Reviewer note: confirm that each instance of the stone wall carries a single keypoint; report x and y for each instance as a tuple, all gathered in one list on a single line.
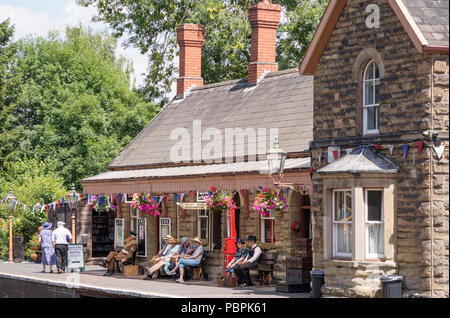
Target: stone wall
[(414, 86)]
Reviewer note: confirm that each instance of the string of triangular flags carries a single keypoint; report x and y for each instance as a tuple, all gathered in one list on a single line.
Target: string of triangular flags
[(14, 204)]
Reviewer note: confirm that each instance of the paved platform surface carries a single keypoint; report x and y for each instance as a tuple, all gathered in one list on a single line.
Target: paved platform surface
[(92, 279)]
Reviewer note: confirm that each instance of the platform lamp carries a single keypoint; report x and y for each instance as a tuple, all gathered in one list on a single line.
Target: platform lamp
[(276, 158), (72, 201), (11, 196)]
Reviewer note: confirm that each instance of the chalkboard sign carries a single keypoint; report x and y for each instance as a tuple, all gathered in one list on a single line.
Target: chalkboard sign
[(75, 257), (141, 237)]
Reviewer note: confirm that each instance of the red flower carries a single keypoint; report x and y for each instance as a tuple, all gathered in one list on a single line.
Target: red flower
[(213, 189)]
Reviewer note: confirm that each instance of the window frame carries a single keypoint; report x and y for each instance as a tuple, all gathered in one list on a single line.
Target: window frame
[(365, 107), (271, 218), (208, 227), (135, 218), (367, 222), (335, 254)]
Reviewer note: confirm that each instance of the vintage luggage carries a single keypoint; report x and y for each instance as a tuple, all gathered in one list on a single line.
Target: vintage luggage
[(298, 276), (131, 270), (299, 262), (284, 287), (230, 281)]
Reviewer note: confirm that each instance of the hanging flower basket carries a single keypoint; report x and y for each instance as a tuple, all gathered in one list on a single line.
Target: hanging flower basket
[(266, 202), (219, 201), (145, 204), (100, 204)]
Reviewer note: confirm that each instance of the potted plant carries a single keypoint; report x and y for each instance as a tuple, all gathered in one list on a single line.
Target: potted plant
[(267, 201)]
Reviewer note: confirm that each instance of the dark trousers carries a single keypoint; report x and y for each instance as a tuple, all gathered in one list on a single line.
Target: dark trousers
[(61, 256), (242, 272)]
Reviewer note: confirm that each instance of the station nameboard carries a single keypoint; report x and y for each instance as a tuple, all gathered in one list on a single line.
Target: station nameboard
[(192, 205)]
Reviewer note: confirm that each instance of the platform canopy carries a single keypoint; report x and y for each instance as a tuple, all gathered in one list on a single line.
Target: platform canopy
[(226, 176)]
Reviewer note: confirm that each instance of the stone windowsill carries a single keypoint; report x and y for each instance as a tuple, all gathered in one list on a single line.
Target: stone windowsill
[(356, 264)]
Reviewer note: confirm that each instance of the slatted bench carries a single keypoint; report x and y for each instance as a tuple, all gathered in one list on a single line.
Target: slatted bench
[(264, 272)]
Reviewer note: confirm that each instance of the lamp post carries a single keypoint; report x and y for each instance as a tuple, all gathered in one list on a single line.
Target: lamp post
[(10, 196), (276, 158), (72, 200)]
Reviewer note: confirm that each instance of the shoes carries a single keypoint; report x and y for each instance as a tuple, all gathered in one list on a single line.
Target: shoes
[(147, 277), (103, 264), (119, 271), (179, 280), (155, 275), (108, 273), (243, 285), (171, 273)]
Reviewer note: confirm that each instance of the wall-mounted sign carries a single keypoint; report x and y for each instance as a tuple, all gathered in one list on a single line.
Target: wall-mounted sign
[(118, 232), (201, 196), (165, 228), (75, 257), (192, 205), (142, 237)]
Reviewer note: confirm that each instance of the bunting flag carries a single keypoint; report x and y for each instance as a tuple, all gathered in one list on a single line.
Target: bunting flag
[(420, 147), (405, 150), (439, 150), (175, 197), (160, 199), (377, 147), (335, 154), (63, 201), (391, 149), (287, 192), (311, 170)]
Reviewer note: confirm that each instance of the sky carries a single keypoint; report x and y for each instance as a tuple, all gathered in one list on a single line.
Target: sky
[(38, 17)]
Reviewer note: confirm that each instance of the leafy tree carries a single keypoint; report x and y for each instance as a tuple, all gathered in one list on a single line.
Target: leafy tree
[(70, 100), (150, 26)]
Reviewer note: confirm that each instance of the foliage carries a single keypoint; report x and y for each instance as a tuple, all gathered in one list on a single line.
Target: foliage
[(267, 201), (145, 204), (69, 99), (32, 246), (150, 26), (219, 201)]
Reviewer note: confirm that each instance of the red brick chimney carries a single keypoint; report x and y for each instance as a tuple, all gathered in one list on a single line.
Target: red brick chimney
[(264, 18), (190, 38)]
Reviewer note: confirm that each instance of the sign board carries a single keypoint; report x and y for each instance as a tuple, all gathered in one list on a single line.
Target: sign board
[(75, 257), (141, 237), (118, 232), (192, 205), (164, 229), (201, 196)]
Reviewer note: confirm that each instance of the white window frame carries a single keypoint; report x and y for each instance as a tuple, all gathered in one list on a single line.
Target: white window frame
[(145, 235), (333, 224), (375, 82), (367, 223), (164, 222), (204, 214), (134, 216), (263, 228)]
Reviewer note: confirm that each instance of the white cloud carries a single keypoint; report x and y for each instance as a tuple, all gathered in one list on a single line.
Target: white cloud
[(30, 22)]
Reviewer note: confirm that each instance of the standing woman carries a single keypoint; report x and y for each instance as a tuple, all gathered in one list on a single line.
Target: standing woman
[(48, 251)]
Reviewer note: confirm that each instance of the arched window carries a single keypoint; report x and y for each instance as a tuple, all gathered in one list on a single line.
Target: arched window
[(371, 98)]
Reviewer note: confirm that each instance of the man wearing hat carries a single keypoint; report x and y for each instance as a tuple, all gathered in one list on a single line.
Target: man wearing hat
[(239, 257), (61, 238), (113, 258), (243, 270)]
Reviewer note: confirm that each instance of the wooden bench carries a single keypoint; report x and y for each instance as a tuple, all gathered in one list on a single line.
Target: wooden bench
[(198, 272), (264, 272)]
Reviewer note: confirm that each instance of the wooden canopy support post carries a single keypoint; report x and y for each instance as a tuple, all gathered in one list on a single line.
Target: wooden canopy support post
[(10, 237), (73, 228)]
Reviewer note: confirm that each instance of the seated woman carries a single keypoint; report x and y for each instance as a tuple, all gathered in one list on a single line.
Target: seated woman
[(189, 260), (239, 257), (186, 248), (164, 260)]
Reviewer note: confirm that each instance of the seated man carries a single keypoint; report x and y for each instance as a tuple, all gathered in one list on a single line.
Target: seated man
[(185, 249), (242, 270), (113, 258), (163, 252), (239, 257)]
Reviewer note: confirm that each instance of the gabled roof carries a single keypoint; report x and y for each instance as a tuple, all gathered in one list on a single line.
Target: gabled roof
[(425, 21), (365, 161), (282, 100)]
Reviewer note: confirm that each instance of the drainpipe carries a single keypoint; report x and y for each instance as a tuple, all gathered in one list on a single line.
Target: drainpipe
[(431, 176)]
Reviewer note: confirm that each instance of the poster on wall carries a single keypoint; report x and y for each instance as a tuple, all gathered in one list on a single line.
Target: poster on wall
[(141, 237), (164, 229), (118, 232), (75, 257)]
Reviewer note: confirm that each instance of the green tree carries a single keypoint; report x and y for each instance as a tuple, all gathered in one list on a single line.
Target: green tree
[(70, 100), (150, 26)]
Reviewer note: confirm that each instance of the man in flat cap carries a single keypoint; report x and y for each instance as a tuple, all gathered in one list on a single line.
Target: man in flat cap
[(113, 258), (61, 238), (242, 271)]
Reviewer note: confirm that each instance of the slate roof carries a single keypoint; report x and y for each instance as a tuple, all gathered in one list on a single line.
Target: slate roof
[(431, 16), (365, 161), (282, 100), (183, 171)]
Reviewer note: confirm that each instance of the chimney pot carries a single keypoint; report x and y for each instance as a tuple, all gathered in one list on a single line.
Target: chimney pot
[(190, 38), (264, 18)]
